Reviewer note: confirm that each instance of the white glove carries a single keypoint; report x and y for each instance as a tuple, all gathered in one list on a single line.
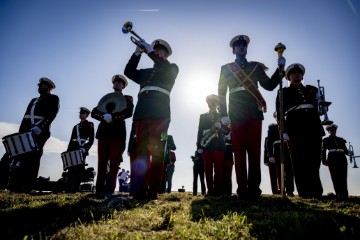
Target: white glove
[(83, 150), (147, 46), (272, 159), (200, 150), (138, 51), (218, 125), (225, 120), (107, 117), (286, 137), (281, 61), (36, 130)]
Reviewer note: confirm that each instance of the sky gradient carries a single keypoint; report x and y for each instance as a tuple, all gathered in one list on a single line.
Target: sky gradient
[(79, 45)]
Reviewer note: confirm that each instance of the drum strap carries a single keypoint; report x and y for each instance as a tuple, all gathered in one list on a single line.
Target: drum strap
[(32, 117), (79, 140)]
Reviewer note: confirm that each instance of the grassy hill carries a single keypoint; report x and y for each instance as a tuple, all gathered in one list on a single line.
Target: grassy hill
[(176, 216)]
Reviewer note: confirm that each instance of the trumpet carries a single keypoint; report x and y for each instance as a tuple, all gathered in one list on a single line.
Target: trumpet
[(127, 28), (352, 155), (323, 106)]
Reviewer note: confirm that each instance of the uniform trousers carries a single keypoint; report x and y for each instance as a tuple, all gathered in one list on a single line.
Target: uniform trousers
[(198, 171), (305, 155), (338, 172), (214, 171), (228, 168), (288, 172), (246, 139), (147, 169), (109, 158), (275, 184), (169, 174)]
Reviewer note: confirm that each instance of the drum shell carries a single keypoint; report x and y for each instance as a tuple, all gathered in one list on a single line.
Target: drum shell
[(72, 158), (18, 144)]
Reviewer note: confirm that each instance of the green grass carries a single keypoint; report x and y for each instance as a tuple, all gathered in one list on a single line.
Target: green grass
[(176, 216)]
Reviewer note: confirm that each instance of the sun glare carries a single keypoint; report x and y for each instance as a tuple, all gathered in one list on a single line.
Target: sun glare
[(200, 85)]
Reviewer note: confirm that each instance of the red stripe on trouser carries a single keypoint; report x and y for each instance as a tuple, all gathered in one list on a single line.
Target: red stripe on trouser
[(213, 167), (148, 173), (246, 139), (108, 149)]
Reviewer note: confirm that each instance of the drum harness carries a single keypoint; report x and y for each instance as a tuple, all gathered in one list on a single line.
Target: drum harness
[(32, 116), (81, 141)]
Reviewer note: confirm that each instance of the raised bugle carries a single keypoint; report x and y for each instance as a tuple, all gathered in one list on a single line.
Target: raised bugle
[(127, 28), (352, 155), (323, 105)]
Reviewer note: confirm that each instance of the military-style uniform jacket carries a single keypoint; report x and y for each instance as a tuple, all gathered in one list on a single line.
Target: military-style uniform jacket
[(336, 150), (243, 105), (116, 129), (272, 137), (82, 136), (206, 122), (40, 112), (152, 104), (300, 110)]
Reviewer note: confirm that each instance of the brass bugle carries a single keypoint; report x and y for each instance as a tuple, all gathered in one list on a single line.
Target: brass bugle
[(127, 28)]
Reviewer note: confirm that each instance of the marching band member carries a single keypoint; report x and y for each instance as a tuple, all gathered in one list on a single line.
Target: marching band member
[(274, 181), (151, 116), (210, 139), (303, 131), (274, 157), (198, 171), (111, 135), (336, 160), (82, 138), (246, 107), (38, 117)]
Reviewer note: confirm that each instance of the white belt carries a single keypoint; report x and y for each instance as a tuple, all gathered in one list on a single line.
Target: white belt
[(35, 117), (153, 88), (237, 89), (300, 106), (276, 142), (336, 150)]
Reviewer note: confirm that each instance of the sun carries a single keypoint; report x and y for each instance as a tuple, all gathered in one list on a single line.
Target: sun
[(199, 84)]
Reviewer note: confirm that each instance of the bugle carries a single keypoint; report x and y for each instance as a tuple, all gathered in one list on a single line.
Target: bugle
[(323, 106), (352, 155), (127, 28)]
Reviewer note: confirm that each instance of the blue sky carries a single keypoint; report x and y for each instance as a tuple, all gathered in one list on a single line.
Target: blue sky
[(79, 45)]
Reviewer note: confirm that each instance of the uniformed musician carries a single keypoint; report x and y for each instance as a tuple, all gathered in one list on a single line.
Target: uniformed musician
[(336, 160), (273, 148), (82, 138), (246, 108), (151, 116), (303, 131), (111, 135), (38, 117), (210, 139)]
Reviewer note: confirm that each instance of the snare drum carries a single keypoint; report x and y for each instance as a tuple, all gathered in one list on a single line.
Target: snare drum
[(20, 143), (72, 158)]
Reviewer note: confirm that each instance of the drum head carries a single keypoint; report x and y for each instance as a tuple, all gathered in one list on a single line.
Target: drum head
[(112, 103)]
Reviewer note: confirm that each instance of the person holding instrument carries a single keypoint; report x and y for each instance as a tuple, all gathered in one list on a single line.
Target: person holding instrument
[(111, 111), (302, 131), (152, 115), (246, 108)]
